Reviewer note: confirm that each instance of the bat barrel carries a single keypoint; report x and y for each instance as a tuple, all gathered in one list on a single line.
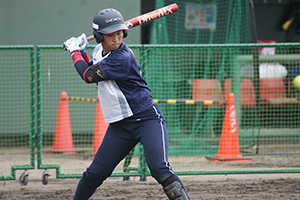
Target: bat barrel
[(162, 12)]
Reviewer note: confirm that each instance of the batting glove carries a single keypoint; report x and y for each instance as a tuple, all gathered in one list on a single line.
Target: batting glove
[(72, 44), (83, 43)]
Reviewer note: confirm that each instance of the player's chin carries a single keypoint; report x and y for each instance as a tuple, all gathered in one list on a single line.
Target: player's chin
[(115, 46)]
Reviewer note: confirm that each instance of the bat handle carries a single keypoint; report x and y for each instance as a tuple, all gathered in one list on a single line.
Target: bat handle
[(90, 38), (65, 48)]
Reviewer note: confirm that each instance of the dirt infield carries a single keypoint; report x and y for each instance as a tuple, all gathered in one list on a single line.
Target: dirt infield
[(261, 186)]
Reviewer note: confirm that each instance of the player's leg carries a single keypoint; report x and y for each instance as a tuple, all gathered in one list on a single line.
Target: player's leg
[(116, 144), (157, 161), (154, 138)]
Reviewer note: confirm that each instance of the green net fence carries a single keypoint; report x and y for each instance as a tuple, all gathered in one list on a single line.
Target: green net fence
[(187, 72), (17, 110), (50, 118)]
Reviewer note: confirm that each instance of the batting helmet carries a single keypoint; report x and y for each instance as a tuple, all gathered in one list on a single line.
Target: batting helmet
[(108, 21)]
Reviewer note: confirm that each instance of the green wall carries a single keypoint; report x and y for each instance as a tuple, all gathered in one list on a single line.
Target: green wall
[(43, 22)]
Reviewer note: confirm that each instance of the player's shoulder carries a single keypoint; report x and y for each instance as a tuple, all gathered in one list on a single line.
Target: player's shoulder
[(124, 47)]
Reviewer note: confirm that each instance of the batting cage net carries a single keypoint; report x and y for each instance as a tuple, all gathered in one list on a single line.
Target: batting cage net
[(203, 22)]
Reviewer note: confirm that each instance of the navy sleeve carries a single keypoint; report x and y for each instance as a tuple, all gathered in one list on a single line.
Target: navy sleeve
[(81, 66)]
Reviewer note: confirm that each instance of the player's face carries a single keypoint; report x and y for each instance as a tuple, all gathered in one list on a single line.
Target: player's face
[(112, 41)]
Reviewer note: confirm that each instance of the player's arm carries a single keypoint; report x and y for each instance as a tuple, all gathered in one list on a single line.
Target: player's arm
[(93, 74), (90, 74)]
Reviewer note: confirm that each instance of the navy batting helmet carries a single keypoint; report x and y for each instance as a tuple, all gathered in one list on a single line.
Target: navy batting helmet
[(108, 21)]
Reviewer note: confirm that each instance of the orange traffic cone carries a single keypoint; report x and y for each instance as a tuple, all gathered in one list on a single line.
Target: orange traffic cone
[(99, 129), (63, 141), (229, 150)]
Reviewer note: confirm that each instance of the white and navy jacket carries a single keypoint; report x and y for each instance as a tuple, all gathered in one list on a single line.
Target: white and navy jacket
[(123, 92)]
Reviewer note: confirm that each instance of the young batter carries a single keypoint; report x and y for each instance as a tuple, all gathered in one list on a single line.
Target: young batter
[(127, 106)]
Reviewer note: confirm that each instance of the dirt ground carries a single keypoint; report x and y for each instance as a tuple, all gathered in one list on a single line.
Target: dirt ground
[(214, 187)]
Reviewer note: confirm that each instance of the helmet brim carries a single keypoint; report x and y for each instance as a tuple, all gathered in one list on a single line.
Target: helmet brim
[(113, 28)]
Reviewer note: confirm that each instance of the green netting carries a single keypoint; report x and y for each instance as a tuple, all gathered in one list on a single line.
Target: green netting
[(203, 22), (269, 127), (17, 108), (197, 22), (267, 134)]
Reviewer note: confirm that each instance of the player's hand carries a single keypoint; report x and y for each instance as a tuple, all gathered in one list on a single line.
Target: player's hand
[(83, 43), (72, 44)]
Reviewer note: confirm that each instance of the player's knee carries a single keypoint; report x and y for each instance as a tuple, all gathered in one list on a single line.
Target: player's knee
[(93, 179), (160, 172)]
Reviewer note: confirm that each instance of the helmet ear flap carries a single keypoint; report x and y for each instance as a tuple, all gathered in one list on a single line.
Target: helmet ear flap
[(125, 33), (98, 36)]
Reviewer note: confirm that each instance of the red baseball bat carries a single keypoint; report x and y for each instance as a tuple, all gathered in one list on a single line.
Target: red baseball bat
[(148, 17)]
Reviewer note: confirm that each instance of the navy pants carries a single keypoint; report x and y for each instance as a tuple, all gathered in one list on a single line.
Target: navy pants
[(147, 127)]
